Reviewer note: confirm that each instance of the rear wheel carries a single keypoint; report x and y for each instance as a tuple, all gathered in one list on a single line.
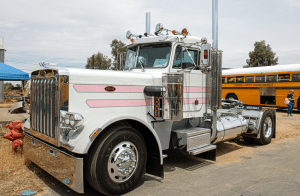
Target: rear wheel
[(267, 128), (116, 161), (231, 96)]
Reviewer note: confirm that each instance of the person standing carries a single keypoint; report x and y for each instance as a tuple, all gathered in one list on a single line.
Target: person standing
[(291, 98)]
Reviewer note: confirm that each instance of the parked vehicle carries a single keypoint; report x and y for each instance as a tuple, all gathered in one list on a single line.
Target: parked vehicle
[(108, 126), (262, 86)]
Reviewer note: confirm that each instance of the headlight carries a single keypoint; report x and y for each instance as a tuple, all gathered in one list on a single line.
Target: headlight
[(71, 119), (67, 119)]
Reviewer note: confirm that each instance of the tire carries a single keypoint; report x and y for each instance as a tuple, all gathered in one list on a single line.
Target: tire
[(249, 140), (116, 161), (267, 128), (231, 96)]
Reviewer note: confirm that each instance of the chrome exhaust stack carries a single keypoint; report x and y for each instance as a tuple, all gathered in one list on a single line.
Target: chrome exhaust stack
[(216, 71), (148, 16)]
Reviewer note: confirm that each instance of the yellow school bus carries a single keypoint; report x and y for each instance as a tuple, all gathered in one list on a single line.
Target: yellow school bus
[(262, 86)]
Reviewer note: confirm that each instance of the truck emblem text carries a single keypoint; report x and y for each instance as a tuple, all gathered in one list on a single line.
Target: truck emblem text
[(110, 88)]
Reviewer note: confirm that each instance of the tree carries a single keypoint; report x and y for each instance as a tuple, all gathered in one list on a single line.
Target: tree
[(8, 86), (262, 55), (117, 47), (100, 61), (18, 85)]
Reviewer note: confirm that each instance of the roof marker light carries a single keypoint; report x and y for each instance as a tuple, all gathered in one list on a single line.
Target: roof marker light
[(175, 32), (184, 32)]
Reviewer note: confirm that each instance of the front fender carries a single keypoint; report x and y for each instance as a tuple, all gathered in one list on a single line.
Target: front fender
[(82, 143)]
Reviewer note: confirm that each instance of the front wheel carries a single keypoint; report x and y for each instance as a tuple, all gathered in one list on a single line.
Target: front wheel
[(117, 161), (267, 128)]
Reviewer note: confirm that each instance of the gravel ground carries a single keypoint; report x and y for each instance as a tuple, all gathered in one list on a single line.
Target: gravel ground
[(240, 169)]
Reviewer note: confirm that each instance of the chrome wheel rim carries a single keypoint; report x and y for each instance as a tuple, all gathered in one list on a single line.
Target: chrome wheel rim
[(122, 161), (267, 127)]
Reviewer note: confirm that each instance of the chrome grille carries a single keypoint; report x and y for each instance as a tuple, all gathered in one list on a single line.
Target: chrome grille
[(43, 91)]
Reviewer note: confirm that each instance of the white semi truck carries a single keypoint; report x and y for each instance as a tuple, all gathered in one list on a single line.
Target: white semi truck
[(112, 126)]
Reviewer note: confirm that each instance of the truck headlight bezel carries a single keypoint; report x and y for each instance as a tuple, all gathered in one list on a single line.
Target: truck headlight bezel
[(71, 119)]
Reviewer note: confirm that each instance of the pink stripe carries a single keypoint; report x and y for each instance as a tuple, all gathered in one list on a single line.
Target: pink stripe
[(127, 89), (101, 89), (133, 103), (118, 103), (191, 89)]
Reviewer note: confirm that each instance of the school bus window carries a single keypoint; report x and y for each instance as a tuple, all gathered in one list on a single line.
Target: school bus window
[(259, 78), (271, 78), (223, 80), (230, 79), (249, 79), (239, 79), (296, 77), (283, 77)]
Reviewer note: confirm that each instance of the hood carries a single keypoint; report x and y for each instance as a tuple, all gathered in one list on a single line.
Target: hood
[(110, 77)]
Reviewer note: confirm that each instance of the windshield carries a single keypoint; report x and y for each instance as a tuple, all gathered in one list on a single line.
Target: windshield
[(150, 56)]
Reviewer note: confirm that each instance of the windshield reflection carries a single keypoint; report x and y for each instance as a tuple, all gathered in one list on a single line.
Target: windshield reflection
[(149, 56)]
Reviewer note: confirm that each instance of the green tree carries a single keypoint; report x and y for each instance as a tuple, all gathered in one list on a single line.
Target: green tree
[(8, 86), (100, 61), (262, 55), (18, 85), (117, 47)]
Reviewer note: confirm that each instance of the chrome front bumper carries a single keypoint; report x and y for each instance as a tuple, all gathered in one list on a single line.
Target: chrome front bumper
[(64, 167)]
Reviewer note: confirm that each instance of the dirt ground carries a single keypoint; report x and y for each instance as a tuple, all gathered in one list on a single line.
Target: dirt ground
[(11, 97), (18, 174)]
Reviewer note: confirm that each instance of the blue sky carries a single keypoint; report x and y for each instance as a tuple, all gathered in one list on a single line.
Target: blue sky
[(67, 32)]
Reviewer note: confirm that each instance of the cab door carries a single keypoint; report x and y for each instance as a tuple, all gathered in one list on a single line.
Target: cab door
[(194, 87)]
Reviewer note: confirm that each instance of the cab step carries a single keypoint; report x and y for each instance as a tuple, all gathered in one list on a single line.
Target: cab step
[(193, 138), (202, 149)]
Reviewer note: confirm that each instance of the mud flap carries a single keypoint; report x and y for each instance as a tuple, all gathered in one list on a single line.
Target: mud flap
[(274, 127), (153, 165), (209, 155)]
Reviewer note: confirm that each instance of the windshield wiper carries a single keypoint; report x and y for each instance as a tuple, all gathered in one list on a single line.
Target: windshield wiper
[(141, 64)]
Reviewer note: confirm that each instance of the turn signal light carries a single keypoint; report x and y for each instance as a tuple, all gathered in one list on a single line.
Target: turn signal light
[(132, 40)]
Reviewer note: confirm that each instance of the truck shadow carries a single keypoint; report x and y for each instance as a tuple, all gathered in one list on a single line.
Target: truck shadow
[(174, 162)]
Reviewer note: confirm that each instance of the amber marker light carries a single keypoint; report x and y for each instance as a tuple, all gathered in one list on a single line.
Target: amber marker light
[(173, 32), (96, 132), (132, 40), (184, 31)]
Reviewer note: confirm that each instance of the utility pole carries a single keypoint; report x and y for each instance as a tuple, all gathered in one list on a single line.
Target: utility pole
[(2, 55)]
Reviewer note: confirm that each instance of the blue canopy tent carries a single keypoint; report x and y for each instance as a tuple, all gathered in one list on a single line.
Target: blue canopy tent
[(10, 73)]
